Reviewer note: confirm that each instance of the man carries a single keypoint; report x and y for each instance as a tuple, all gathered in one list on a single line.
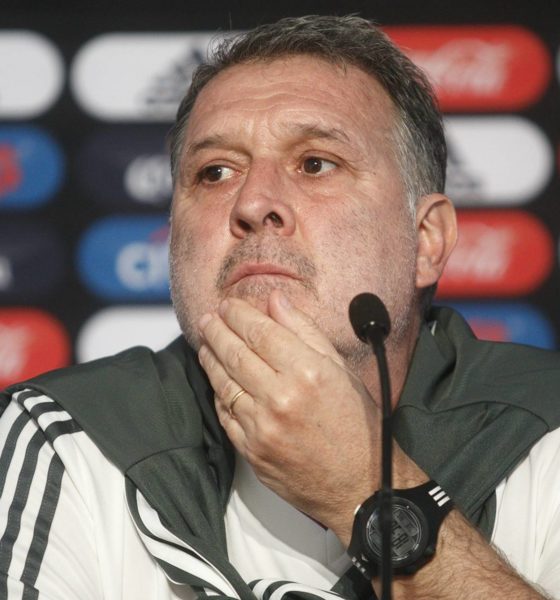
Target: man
[(308, 161)]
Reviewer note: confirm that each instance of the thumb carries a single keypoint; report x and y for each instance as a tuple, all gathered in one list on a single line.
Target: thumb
[(285, 313)]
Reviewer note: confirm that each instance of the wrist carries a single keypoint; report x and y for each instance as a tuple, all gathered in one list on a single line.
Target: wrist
[(417, 514)]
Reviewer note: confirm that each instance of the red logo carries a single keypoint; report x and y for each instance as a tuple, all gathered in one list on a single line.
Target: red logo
[(31, 342), (483, 68), (10, 173), (499, 253)]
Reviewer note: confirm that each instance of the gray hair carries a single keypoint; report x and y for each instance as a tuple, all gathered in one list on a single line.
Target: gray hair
[(418, 133)]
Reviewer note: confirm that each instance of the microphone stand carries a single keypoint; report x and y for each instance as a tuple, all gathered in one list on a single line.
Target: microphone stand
[(371, 323), (386, 492)]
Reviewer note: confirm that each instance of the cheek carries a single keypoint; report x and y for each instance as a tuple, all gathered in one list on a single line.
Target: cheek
[(350, 234), (194, 260), (195, 238), (364, 249), (188, 266)]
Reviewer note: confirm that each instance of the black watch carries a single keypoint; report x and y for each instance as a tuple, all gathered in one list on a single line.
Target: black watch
[(417, 515)]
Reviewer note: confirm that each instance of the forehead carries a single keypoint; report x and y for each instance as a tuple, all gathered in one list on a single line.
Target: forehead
[(278, 90)]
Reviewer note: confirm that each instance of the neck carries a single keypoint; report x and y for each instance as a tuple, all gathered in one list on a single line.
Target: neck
[(399, 357)]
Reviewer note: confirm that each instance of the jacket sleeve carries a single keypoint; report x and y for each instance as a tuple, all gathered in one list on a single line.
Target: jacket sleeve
[(47, 548)]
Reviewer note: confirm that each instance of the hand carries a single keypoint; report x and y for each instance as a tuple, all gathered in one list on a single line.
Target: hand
[(310, 430), (306, 423)]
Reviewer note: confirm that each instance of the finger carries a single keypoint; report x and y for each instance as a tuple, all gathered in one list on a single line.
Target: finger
[(237, 360), (301, 324), (282, 349), (233, 427), (225, 388)]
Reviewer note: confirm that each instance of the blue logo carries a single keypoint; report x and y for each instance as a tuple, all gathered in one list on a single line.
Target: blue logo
[(31, 167), (32, 261), (125, 258), (508, 322)]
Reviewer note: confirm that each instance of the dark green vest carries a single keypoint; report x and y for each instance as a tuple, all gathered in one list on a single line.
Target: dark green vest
[(469, 413)]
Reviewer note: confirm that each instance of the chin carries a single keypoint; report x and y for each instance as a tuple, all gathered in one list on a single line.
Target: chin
[(256, 298), (256, 290)]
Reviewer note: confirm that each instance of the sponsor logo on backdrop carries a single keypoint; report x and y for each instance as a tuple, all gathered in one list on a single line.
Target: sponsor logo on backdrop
[(484, 68), (31, 342), (107, 82), (31, 74), (32, 261), (508, 322), (10, 170), (116, 328), (496, 160), (148, 179), (125, 258), (31, 167), (499, 253), (126, 166)]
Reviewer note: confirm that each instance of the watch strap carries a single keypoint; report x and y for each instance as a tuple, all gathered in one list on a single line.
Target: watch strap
[(433, 503)]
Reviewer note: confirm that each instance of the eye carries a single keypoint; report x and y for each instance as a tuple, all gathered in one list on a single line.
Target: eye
[(215, 173), (316, 166)]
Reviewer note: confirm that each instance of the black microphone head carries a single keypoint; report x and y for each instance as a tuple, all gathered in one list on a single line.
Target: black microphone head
[(368, 314)]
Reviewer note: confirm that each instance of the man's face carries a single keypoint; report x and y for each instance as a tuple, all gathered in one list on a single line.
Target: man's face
[(289, 180)]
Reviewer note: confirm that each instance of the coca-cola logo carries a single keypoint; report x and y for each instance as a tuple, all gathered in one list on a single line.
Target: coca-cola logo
[(499, 253), (31, 342), (479, 68), (467, 66), (484, 253)]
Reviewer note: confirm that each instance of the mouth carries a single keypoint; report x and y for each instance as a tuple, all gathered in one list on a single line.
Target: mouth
[(250, 270)]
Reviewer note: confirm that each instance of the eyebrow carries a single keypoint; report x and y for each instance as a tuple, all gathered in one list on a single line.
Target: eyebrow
[(298, 130), (316, 131), (212, 141)]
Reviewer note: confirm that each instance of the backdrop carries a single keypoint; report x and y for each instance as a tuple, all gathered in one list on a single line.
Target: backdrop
[(86, 98)]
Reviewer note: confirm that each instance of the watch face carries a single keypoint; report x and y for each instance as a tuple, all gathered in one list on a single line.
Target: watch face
[(408, 536)]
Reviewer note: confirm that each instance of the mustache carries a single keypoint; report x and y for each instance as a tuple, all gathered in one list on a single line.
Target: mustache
[(261, 251)]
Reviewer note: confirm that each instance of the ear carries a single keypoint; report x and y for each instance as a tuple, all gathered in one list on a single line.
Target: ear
[(436, 225)]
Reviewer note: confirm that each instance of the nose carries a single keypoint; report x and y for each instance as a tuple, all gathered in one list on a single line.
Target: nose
[(262, 204)]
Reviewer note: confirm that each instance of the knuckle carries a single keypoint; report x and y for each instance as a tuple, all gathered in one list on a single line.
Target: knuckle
[(320, 372), (228, 390), (311, 376), (255, 334), (236, 358), (283, 406)]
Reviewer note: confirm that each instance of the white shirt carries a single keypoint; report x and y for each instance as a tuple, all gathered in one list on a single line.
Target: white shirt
[(94, 550), (527, 525)]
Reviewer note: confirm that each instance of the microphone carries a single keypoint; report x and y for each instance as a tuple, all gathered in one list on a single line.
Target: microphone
[(369, 318), (371, 323)]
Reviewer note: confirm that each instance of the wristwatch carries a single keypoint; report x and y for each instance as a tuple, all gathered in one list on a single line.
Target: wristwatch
[(417, 515)]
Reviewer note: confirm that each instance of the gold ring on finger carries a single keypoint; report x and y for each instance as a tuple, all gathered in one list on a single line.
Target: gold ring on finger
[(234, 400)]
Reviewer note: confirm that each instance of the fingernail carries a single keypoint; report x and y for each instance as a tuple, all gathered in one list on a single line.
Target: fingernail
[(202, 353), (284, 301)]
